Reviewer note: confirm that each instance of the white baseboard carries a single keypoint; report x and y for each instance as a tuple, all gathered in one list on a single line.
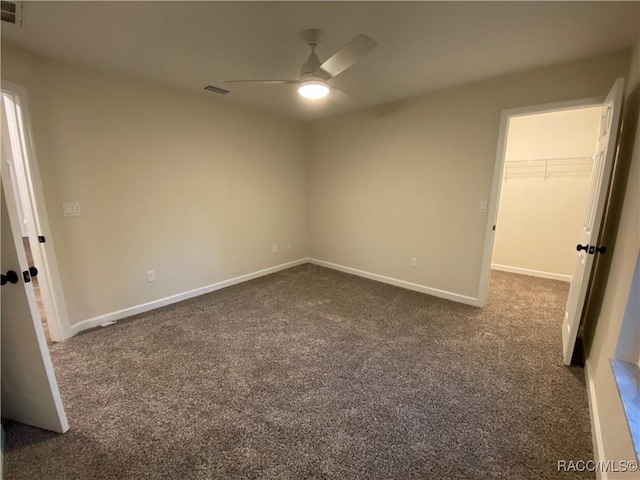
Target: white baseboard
[(145, 307), (532, 273), (596, 431), (399, 283)]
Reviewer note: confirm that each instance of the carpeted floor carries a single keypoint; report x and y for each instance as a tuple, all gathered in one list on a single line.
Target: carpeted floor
[(314, 374)]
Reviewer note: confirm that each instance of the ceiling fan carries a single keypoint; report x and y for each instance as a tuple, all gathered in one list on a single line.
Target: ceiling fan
[(314, 76)]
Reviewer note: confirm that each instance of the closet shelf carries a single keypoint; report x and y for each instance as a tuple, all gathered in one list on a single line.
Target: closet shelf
[(548, 167)]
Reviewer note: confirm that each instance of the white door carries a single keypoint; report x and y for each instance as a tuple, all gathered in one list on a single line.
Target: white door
[(29, 388), (588, 248)]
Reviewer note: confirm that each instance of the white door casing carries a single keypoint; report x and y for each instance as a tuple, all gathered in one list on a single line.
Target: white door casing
[(30, 391), (19, 148), (492, 213), (600, 180)]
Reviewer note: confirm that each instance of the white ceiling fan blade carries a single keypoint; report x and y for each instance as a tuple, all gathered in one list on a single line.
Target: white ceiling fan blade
[(348, 55), (267, 82), (338, 96)]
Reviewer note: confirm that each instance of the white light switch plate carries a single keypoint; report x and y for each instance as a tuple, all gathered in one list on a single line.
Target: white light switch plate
[(71, 209)]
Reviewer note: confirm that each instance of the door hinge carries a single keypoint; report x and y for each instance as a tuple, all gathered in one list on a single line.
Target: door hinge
[(591, 249)]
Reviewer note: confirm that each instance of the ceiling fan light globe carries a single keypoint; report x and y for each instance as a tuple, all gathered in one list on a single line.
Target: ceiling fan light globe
[(313, 89)]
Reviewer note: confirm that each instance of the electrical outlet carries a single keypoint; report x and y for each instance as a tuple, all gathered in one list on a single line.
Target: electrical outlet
[(274, 248), (71, 209), (414, 262), (151, 276), (289, 245)]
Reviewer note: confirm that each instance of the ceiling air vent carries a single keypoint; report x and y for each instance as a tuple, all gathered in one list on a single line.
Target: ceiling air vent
[(213, 89), (12, 12)]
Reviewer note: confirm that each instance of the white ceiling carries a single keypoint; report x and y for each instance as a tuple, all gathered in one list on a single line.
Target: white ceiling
[(422, 46)]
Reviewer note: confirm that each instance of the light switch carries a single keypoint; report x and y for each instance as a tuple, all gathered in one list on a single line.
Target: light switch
[(71, 209), (483, 206)]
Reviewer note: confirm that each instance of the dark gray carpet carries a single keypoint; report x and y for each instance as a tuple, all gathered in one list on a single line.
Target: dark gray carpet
[(312, 373)]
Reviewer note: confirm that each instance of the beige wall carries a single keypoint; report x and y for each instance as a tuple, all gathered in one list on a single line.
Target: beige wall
[(185, 184), (405, 180), (614, 277), (566, 133), (198, 189), (539, 219)]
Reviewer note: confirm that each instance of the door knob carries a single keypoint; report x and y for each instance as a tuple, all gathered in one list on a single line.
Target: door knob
[(11, 277), (582, 247), (33, 271)]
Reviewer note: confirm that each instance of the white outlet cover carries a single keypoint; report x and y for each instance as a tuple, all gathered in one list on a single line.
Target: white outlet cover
[(71, 209)]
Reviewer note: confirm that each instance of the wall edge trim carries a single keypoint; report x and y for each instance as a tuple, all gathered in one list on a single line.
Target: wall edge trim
[(456, 297), (596, 430), (532, 273), (162, 302)]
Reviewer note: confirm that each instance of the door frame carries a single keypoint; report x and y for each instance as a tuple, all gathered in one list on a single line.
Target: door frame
[(44, 253), (496, 185)]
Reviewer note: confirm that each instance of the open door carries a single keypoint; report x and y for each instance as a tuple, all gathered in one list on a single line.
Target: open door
[(587, 248), (29, 388)]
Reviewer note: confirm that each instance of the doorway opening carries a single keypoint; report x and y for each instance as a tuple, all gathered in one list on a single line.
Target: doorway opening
[(588, 247), (36, 289), (546, 178), (21, 167), (545, 187), (541, 165)]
